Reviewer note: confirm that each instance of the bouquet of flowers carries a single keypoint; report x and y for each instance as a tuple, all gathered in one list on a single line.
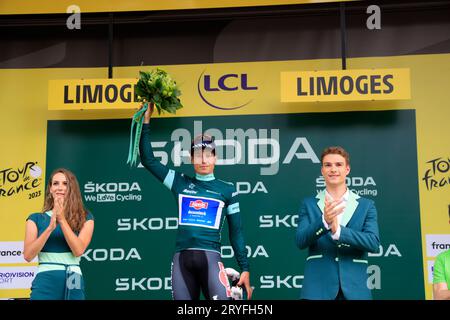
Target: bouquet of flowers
[(153, 87), (158, 87)]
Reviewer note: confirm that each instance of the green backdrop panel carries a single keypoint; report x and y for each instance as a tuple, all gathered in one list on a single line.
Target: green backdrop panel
[(136, 218)]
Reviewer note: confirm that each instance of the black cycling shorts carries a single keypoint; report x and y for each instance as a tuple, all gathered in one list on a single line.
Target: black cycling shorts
[(199, 270)]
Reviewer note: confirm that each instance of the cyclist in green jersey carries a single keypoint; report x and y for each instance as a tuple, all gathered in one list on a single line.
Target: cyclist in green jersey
[(203, 204)]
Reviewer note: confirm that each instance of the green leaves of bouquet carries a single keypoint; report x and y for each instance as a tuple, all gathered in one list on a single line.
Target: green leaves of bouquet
[(157, 86)]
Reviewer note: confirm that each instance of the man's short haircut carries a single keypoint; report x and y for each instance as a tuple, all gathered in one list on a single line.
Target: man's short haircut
[(203, 142), (336, 150)]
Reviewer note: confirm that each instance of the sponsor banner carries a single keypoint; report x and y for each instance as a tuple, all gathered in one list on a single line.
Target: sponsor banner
[(278, 221), (111, 254), (255, 251), (91, 94), (345, 85), (284, 281), (112, 192), (362, 186), (231, 90), (147, 283), (61, 6), (147, 224), (17, 277), (12, 252), (207, 89), (437, 243)]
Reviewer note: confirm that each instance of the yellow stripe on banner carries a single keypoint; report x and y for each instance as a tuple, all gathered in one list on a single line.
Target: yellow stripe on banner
[(345, 85), (60, 6), (28, 264), (15, 293)]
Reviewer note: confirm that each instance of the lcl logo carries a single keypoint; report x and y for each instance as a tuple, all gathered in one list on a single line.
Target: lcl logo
[(230, 82)]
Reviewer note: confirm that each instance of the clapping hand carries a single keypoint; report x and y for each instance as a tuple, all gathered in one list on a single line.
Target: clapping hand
[(333, 208), (58, 208), (52, 225)]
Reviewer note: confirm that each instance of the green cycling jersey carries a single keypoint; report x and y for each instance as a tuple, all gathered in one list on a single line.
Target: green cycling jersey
[(203, 204)]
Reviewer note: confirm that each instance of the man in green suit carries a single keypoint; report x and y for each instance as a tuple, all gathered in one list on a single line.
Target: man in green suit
[(339, 228)]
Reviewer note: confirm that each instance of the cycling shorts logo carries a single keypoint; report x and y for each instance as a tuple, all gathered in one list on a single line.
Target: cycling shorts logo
[(223, 277), (198, 204)]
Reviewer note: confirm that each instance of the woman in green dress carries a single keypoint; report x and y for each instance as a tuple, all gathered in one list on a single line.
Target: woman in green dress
[(59, 235)]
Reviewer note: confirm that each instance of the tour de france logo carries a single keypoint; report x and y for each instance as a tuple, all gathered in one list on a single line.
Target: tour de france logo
[(24, 179), (437, 174)]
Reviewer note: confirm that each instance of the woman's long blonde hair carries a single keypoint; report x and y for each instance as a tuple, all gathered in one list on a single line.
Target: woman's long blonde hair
[(74, 209)]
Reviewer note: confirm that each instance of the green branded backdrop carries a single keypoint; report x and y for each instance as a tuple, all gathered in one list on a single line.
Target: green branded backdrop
[(131, 251)]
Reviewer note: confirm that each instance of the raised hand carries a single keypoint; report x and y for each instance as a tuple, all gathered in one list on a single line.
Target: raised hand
[(148, 113), (334, 225), (58, 208), (52, 225)]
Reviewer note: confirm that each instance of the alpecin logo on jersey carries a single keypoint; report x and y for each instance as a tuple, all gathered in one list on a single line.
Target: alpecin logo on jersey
[(198, 204)]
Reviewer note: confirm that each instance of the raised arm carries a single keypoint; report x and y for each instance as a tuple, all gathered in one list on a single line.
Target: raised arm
[(148, 160)]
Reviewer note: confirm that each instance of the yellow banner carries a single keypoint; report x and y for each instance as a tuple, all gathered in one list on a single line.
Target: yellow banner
[(61, 6), (345, 85), (91, 94)]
